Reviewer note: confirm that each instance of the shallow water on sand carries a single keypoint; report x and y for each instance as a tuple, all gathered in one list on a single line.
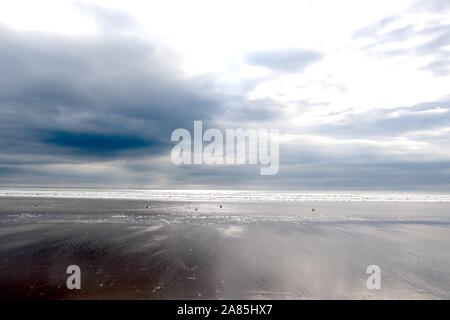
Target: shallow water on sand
[(277, 249)]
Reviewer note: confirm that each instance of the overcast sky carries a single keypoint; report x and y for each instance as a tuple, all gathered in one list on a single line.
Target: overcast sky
[(90, 91)]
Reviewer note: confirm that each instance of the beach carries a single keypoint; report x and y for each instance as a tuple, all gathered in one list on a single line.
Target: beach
[(218, 249)]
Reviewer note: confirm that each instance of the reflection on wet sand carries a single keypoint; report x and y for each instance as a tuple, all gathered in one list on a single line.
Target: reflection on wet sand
[(213, 259)]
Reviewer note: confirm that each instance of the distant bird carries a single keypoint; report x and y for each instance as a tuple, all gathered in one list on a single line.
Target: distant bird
[(147, 207), (220, 206), (313, 210), (196, 209)]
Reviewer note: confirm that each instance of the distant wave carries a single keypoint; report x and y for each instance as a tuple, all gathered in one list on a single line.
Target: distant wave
[(224, 195), (216, 219)]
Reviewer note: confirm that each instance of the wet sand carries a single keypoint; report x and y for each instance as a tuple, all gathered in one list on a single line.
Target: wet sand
[(241, 251)]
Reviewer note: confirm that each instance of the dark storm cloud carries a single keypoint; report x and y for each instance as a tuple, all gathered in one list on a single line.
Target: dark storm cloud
[(119, 93), (77, 100), (100, 144), (285, 60)]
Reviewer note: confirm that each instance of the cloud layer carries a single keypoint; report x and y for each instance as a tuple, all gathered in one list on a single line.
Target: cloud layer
[(98, 109)]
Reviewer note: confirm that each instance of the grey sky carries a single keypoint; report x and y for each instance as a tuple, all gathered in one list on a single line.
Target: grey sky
[(363, 104)]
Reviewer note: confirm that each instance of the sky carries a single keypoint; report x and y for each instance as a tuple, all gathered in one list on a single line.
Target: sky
[(90, 92)]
